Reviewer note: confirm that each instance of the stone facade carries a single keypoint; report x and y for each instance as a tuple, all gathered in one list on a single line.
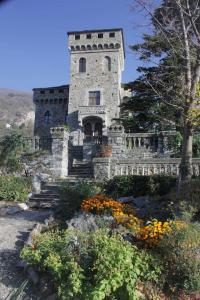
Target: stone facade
[(87, 107), (92, 99), (51, 108)]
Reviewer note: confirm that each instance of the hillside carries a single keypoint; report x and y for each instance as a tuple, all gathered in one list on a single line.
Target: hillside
[(16, 108)]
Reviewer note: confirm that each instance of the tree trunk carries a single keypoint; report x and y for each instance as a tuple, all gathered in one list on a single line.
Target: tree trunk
[(186, 159)]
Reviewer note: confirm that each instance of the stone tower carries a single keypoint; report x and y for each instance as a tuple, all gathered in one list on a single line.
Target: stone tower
[(96, 63)]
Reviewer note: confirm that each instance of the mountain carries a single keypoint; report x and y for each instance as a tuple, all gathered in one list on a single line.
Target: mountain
[(17, 110)]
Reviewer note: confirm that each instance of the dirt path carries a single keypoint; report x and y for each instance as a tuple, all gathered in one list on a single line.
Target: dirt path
[(13, 232)]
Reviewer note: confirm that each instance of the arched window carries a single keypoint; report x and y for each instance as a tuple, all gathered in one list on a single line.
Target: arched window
[(47, 117), (107, 63), (82, 65)]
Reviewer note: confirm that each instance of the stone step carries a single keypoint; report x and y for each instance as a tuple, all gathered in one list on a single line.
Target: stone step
[(45, 196), (80, 176)]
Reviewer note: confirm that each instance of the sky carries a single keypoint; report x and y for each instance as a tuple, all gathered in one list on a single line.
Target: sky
[(33, 38)]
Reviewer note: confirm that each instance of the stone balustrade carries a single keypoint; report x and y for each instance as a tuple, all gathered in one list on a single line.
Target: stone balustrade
[(113, 167), (147, 141), (38, 143)]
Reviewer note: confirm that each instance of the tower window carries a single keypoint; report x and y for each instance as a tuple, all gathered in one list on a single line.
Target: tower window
[(100, 35), (42, 92), (47, 117), (112, 34), (82, 65), (77, 36), (51, 91), (107, 63), (88, 36), (60, 91), (94, 98)]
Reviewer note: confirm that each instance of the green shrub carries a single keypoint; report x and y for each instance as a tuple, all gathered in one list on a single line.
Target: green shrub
[(179, 254), (92, 266), (14, 188), (136, 185), (71, 196)]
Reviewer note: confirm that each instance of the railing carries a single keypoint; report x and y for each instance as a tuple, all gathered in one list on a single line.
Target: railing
[(150, 167), (34, 143), (147, 141)]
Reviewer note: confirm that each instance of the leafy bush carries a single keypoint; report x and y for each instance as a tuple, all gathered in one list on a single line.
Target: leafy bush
[(92, 265), (196, 146), (14, 188), (136, 185), (179, 253), (10, 148), (71, 196)]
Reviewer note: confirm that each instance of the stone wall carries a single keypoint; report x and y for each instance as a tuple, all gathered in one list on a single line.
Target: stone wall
[(96, 77), (53, 100)]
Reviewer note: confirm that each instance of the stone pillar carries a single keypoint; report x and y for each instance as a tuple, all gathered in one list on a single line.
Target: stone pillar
[(116, 139), (60, 144), (101, 168)]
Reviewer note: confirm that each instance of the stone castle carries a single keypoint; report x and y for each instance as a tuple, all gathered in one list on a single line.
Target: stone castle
[(75, 121), (92, 99)]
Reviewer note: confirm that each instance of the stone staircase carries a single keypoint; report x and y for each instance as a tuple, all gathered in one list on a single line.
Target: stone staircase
[(81, 169), (78, 152), (48, 197)]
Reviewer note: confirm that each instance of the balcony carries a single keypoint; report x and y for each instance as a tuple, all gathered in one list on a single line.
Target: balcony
[(92, 110), (98, 111)]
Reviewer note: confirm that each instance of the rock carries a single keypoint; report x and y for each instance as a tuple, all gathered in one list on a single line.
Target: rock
[(23, 206), (140, 201), (33, 275), (11, 210), (89, 222), (126, 199)]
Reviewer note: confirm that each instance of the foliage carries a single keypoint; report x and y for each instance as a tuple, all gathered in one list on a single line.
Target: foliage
[(150, 233), (14, 188), (93, 265), (176, 143), (71, 196), (10, 147), (179, 252), (103, 204), (18, 293), (196, 145), (136, 185)]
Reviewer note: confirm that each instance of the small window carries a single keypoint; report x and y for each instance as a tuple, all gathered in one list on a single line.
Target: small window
[(88, 36), (77, 36), (112, 34), (42, 92), (94, 98), (107, 63), (60, 91), (100, 35), (47, 117), (82, 65), (51, 91)]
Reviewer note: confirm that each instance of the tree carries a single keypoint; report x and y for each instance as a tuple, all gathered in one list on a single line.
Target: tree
[(174, 47)]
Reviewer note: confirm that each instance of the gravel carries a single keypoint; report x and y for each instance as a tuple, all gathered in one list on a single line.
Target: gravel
[(14, 231)]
